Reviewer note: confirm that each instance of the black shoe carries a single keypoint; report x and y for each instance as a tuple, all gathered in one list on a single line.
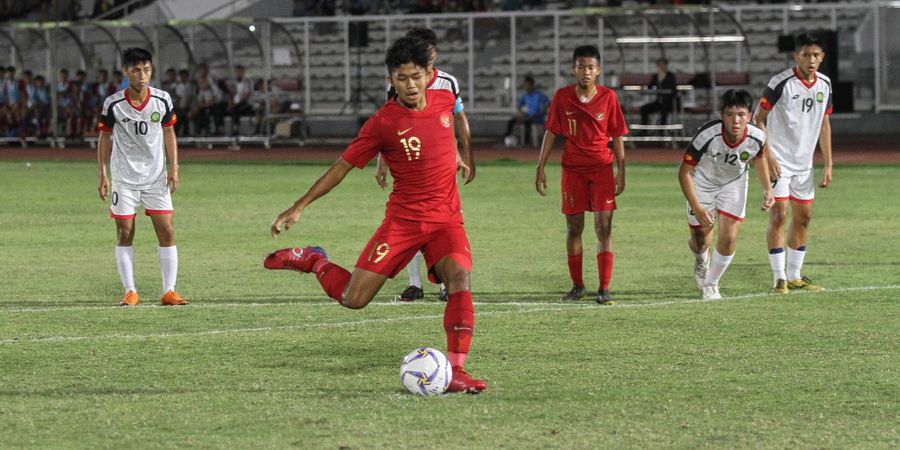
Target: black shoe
[(604, 298), (411, 294), (577, 293), (443, 295)]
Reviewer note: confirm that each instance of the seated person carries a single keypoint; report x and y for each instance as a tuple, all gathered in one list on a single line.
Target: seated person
[(663, 82), (532, 106)]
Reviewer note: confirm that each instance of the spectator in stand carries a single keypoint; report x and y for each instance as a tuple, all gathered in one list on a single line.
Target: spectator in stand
[(102, 7), (206, 108), (532, 106), (38, 106), (170, 77), (663, 82), (104, 87), (118, 81), (183, 96), (239, 104)]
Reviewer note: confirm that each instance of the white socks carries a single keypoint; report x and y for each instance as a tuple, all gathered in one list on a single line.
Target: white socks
[(717, 267), (795, 262), (776, 261), (125, 264), (168, 265), (414, 268)]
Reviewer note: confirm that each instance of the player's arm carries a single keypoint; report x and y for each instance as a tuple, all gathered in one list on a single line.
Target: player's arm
[(687, 188), (540, 179), (619, 153), (760, 121), (761, 165), (331, 178), (461, 123), (104, 150), (825, 148), (380, 172), (171, 143)]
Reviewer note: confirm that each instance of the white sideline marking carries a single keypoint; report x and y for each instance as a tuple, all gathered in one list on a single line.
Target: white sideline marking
[(586, 306)]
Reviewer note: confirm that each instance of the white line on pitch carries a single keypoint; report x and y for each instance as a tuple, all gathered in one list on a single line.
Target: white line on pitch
[(556, 307), (627, 303)]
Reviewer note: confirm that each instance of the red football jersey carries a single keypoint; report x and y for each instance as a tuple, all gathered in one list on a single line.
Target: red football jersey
[(420, 150), (587, 127)]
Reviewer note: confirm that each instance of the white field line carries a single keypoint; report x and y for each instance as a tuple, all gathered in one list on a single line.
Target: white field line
[(526, 308), (628, 303)]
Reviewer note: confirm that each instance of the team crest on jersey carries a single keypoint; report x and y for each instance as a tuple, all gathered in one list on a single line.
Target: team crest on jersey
[(445, 120), (154, 117), (820, 97), (745, 155), (599, 116)]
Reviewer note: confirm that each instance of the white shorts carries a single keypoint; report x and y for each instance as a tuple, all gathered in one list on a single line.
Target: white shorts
[(125, 201), (729, 201), (796, 187)]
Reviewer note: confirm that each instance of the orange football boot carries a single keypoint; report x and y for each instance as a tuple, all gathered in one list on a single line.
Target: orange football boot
[(172, 298), (130, 299)]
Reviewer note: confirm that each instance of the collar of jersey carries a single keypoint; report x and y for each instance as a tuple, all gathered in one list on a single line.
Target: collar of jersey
[(146, 100), (808, 84), (739, 142)]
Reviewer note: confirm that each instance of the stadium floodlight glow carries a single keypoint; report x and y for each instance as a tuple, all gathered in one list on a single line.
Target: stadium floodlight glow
[(679, 39), (252, 28), (796, 8)]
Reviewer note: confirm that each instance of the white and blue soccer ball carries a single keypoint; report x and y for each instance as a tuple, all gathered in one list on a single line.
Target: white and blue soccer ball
[(425, 371)]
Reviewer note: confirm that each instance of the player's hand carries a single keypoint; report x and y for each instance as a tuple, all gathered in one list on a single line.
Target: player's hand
[(103, 187), (286, 219), (381, 176), (704, 217), (826, 177), (471, 175), (768, 200), (620, 183), (540, 181), (173, 180), (467, 171), (774, 169)]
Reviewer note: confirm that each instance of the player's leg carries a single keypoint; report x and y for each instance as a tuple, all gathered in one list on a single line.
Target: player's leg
[(450, 248), (158, 205), (802, 196), (414, 291), (722, 254), (602, 191), (575, 201), (775, 233), (123, 202), (699, 241)]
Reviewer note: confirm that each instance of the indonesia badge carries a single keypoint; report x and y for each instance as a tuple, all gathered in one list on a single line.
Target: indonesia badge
[(445, 120)]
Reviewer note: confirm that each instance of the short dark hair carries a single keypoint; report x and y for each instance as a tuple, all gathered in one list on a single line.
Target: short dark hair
[(407, 50), (135, 55), (529, 79), (804, 39), (586, 51), (737, 98), (662, 61), (425, 34), (11, 69)]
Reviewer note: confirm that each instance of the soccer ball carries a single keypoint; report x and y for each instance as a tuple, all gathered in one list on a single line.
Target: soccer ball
[(425, 371)]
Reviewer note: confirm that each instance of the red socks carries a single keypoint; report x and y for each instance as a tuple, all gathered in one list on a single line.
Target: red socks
[(575, 269), (332, 277), (459, 322), (604, 268)]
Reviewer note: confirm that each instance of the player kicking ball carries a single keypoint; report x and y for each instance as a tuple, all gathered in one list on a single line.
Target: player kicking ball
[(136, 139), (414, 135), (714, 179)]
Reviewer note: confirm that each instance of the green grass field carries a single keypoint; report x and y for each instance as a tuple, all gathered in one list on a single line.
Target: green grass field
[(264, 360)]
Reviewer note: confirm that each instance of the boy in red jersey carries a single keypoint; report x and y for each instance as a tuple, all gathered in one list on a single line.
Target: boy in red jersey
[(588, 116), (414, 134)]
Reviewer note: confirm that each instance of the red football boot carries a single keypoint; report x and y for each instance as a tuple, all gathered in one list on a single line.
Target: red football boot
[(462, 382), (299, 259)]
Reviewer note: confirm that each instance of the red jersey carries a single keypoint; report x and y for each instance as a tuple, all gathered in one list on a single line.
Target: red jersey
[(587, 127), (420, 151)]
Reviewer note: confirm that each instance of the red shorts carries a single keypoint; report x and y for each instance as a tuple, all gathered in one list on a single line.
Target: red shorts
[(594, 191), (396, 241)]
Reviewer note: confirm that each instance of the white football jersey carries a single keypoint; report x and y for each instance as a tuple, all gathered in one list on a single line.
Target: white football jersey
[(717, 163), (138, 159), (796, 111)]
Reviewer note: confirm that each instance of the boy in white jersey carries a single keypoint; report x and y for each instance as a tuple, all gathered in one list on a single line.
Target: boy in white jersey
[(437, 79), (136, 126), (794, 112), (714, 179)]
